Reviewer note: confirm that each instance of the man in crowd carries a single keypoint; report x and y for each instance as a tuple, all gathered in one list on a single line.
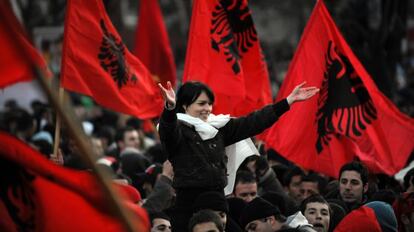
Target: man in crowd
[(205, 220), (353, 184), (292, 182), (160, 222), (261, 216), (316, 210), (245, 186)]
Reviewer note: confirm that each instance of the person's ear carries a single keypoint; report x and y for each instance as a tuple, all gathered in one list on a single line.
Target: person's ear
[(366, 188)]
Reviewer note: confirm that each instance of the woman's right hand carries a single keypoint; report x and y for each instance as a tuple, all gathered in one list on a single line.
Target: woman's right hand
[(168, 94)]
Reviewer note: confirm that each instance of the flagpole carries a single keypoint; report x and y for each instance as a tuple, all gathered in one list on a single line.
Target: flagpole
[(58, 124), (68, 117)]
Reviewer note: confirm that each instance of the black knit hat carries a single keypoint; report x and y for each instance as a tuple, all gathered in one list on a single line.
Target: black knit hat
[(258, 208), (211, 200)]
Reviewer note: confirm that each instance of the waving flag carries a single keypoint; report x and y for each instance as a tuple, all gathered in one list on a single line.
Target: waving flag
[(350, 119), (152, 45), (18, 56), (37, 195), (96, 63), (224, 52)]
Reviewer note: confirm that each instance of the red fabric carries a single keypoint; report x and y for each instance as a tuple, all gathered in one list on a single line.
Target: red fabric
[(96, 63), (362, 219), (152, 45), (224, 52), (37, 195), (18, 56), (349, 118)]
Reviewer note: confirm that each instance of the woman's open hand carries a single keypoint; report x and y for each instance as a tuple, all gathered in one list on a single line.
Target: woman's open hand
[(168, 94), (301, 94)]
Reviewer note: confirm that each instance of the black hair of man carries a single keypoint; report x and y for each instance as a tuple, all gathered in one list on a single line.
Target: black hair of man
[(293, 171), (245, 177), (357, 167), (315, 178), (203, 216), (189, 92), (119, 136), (158, 214), (313, 198), (409, 179)]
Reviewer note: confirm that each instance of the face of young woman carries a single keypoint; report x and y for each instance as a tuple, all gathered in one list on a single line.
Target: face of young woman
[(200, 108)]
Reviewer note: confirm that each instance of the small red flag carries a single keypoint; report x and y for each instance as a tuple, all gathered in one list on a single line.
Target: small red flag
[(350, 118), (224, 52), (18, 56), (97, 63), (152, 45), (37, 195)]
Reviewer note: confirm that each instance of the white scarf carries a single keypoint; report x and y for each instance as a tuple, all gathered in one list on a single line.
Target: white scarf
[(236, 152)]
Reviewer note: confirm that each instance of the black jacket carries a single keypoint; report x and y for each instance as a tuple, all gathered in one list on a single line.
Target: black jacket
[(202, 164)]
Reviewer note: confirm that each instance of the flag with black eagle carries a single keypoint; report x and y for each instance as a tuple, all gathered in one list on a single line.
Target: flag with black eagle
[(349, 119), (224, 52)]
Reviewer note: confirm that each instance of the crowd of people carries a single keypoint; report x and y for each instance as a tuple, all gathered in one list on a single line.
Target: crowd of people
[(179, 168)]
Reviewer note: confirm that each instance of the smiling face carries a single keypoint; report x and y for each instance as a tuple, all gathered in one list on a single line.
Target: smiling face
[(200, 108), (318, 215)]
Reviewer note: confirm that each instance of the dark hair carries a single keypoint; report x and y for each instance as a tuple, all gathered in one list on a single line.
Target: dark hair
[(293, 171), (409, 178), (245, 177), (204, 216), (158, 214), (189, 92), (313, 198), (357, 167), (316, 178), (119, 136)]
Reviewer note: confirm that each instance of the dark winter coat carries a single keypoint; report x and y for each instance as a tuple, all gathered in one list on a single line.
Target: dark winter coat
[(202, 164)]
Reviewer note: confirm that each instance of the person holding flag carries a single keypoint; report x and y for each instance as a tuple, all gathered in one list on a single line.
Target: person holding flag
[(199, 143)]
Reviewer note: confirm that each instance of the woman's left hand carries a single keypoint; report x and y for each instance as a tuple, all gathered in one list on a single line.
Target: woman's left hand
[(301, 94)]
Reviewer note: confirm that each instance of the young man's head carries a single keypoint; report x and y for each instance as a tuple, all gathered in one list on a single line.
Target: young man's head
[(214, 201), (316, 210), (292, 181), (353, 182), (311, 184), (261, 216), (245, 186), (205, 221), (128, 137), (160, 222)]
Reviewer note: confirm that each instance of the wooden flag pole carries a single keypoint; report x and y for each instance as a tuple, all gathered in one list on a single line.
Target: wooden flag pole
[(58, 125), (67, 116)]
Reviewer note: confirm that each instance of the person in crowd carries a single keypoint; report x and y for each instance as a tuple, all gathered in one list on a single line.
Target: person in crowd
[(162, 196), (195, 139), (385, 215), (291, 183), (338, 212), (317, 211), (127, 137), (261, 216), (409, 181), (353, 184), (404, 212), (311, 184), (216, 202), (160, 222), (205, 221), (245, 186)]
